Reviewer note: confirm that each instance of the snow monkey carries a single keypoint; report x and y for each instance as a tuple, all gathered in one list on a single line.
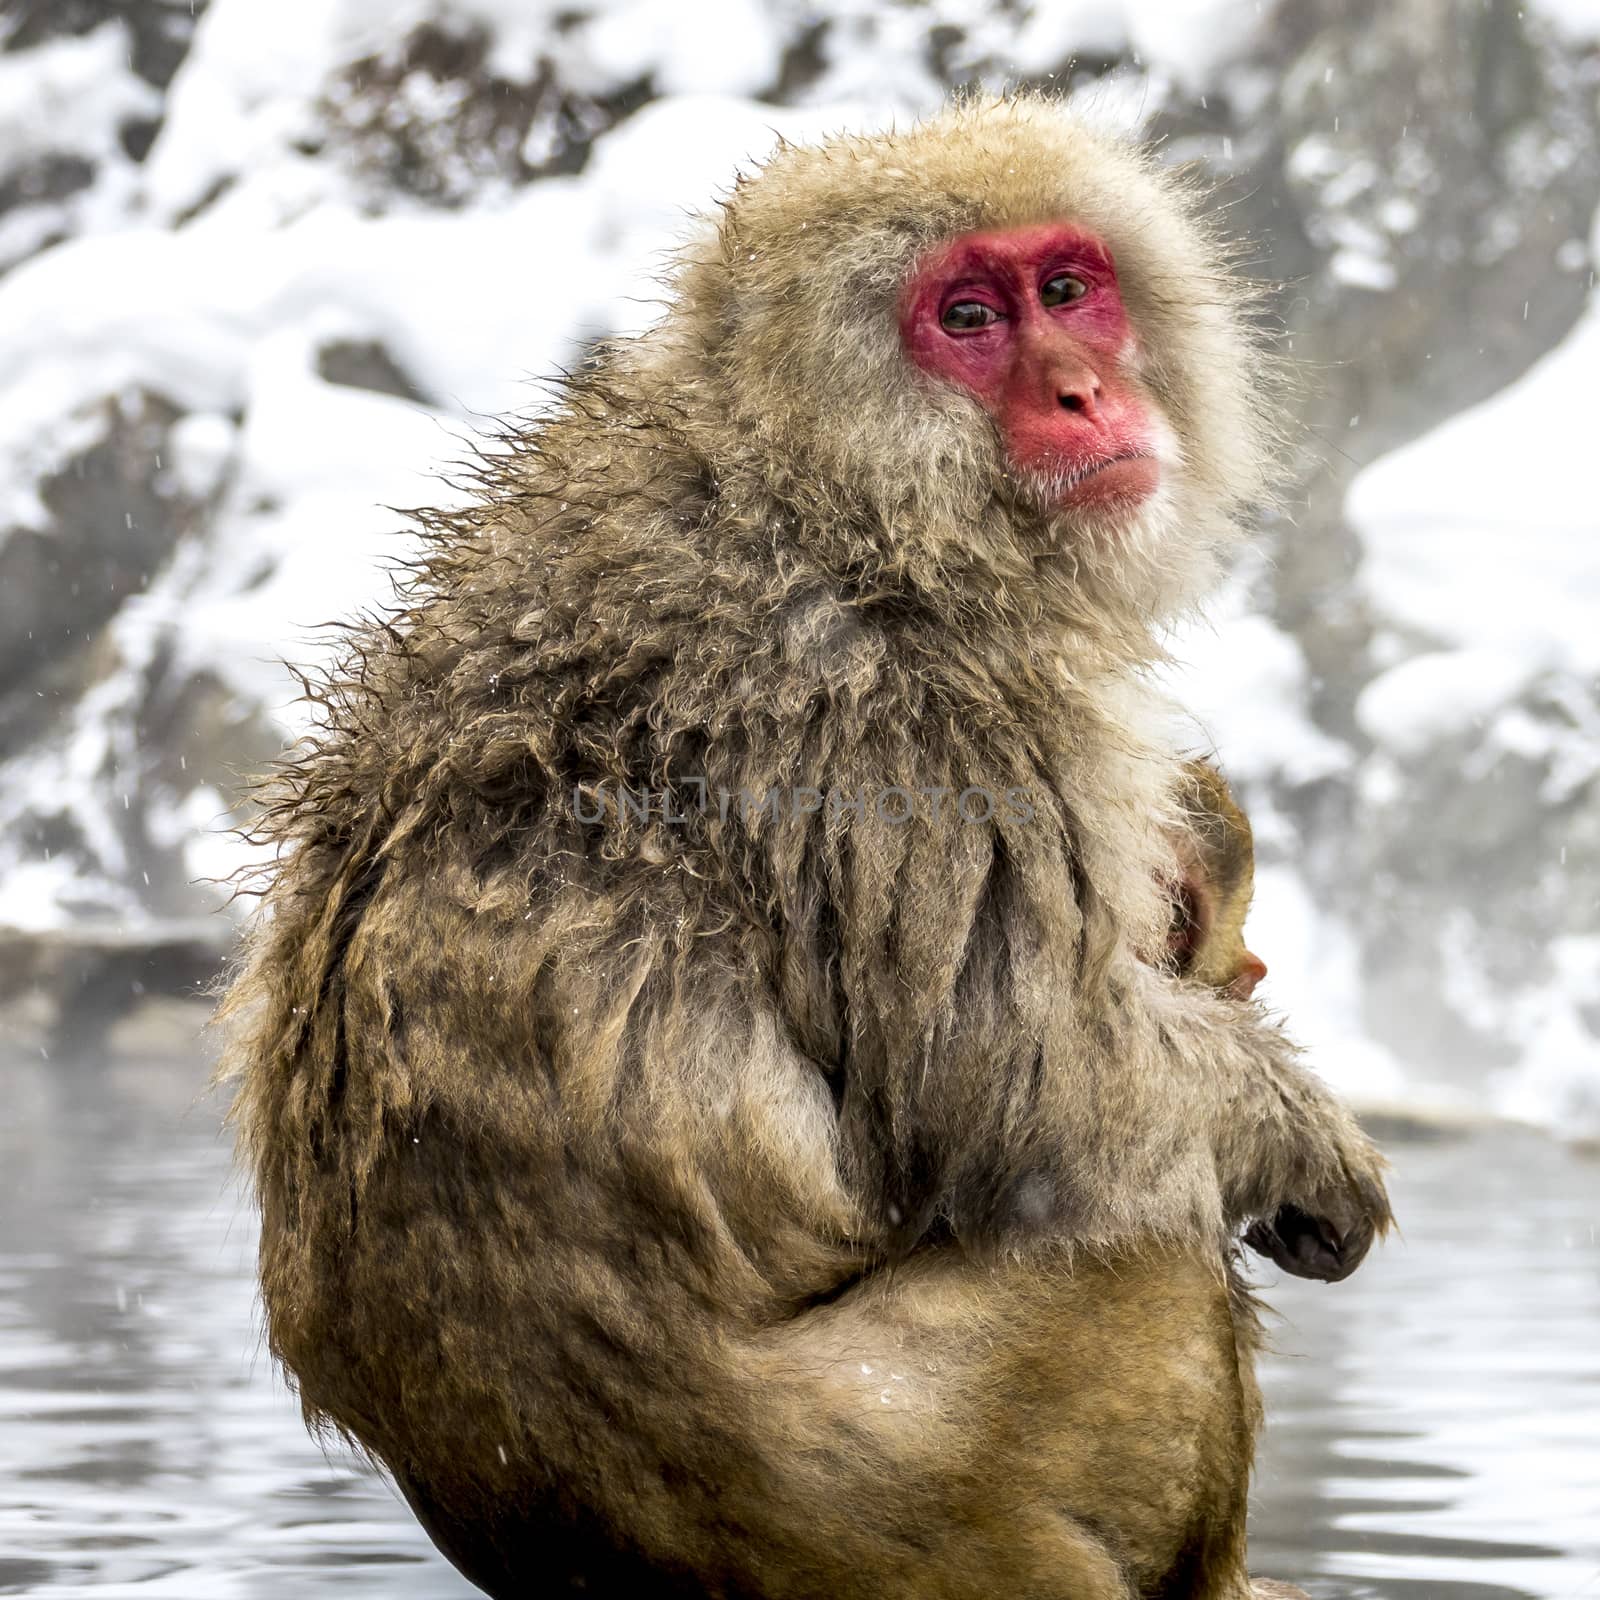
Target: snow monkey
[(714, 1132), (1217, 869), (1216, 880)]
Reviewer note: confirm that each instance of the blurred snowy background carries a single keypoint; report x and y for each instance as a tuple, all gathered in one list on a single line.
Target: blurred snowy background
[(264, 267)]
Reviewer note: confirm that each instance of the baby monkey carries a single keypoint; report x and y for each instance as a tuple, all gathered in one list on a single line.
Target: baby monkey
[(1205, 943), (1216, 855)]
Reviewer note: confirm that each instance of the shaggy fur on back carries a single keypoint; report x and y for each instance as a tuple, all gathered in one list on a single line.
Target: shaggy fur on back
[(587, 1096)]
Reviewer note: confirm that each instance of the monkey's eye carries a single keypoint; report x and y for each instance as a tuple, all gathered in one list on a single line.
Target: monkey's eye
[(1062, 290), (965, 315)]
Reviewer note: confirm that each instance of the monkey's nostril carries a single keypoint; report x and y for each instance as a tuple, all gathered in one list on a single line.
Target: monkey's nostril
[(1072, 402)]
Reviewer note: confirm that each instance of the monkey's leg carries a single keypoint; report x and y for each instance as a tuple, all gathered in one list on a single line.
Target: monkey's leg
[(1032, 1552), (949, 1432), (512, 1557), (1117, 1397), (565, 1418), (465, 1547)]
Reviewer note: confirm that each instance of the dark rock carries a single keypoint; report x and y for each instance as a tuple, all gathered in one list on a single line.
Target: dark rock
[(366, 364), (470, 126), (161, 30), (44, 180), (64, 993), (112, 523)]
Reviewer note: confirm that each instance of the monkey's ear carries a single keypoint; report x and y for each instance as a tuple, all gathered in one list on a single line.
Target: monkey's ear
[(1193, 913), (1183, 935)]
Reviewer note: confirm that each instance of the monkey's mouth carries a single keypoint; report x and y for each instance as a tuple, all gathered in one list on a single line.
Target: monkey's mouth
[(1126, 478)]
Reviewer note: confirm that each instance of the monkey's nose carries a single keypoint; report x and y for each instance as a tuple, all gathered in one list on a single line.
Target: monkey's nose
[(1252, 969), (1082, 397)]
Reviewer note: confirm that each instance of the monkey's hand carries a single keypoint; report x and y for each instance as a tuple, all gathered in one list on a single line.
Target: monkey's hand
[(1297, 1170), (1326, 1248), (1328, 1233)]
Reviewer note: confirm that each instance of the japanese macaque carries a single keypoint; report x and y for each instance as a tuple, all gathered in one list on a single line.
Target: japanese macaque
[(714, 1131), (1216, 860), (1217, 871)]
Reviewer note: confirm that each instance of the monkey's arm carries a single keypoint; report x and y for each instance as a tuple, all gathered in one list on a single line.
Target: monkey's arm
[(1007, 1065), (1291, 1159)]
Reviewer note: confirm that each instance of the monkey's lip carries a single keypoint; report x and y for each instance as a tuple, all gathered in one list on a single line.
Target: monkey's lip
[(1129, 477)]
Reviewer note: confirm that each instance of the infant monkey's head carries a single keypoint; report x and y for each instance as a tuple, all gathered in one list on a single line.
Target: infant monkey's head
[(1217, 866)]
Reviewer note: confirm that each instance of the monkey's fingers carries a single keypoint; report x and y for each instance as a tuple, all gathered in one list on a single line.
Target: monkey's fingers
[(1311, 1247)]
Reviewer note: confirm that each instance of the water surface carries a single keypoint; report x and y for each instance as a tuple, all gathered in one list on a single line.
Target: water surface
[(1434, 1423)]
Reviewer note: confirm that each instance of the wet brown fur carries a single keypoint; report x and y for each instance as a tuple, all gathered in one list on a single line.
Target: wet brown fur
[(802, 1206)]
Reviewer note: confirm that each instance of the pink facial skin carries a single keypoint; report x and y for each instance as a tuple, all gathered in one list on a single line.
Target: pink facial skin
[(1051, 375)]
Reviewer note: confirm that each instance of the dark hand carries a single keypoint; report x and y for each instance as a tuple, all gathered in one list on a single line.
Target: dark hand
[(1326, 1248)]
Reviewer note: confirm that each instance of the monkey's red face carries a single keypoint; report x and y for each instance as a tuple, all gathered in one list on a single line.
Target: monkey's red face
[(1030, 322)]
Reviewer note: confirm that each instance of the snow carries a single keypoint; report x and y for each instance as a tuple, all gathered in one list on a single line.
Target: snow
[(200, 448), (1242, 681), (1313, 978), (1362, 270), (1549, 1086), (242, 95), (1054, 33), (216, 273), (224, 317), (69, 96), (1410, 707), (38, 894), (63, 106), (1485, 534), (650, 179), (645, 37), (1483, 539), (1578, 19), (293, 476), (1190, 38)]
